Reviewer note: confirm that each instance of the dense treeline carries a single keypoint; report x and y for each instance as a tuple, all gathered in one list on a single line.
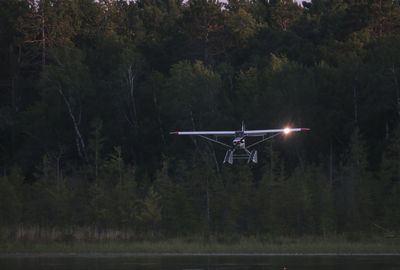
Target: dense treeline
[(90, 90)]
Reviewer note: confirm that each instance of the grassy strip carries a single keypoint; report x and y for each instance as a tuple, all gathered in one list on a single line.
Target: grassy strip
[(302, 245)]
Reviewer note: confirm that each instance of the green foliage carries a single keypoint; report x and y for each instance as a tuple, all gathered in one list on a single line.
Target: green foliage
[(100, 205), (150, 215), (198, 89), (114, 195), (283, 13), (390, 173), (11, 197), (95, 146), (242, 26), (90, 90), (51, 196)]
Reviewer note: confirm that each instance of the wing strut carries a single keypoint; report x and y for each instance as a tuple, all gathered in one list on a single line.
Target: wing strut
[(208, 138), (263, 140)]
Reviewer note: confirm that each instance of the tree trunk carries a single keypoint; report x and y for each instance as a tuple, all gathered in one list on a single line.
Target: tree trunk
[(155, 101), (331, 165), (355, 104), (387, 134), (214, 155), (58, 164), (96, 158), (396, 84), (130, 81), (194, 128), (208, 204), (43, 37), (80, 144)]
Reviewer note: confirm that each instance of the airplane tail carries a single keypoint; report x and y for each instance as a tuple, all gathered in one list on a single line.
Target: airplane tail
[(243, 127)]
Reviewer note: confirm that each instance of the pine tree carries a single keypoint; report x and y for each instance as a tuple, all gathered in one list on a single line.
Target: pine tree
[(11, 198), (357, 187), (150, 215), (390, 180)]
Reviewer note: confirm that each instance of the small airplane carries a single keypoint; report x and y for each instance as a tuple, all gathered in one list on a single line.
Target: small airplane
[(239, 142)]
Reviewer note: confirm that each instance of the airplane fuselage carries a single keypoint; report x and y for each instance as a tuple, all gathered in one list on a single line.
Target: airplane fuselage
[(239, 141)]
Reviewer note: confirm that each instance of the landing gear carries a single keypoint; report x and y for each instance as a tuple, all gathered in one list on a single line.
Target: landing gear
[(229, 156), (253, 157), (250, 156)]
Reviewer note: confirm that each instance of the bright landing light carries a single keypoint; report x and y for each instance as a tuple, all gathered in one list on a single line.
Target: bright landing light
[(286, 130)]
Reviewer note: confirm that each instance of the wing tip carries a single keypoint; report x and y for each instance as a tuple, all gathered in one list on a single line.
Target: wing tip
[(174, 133), (304, 129)]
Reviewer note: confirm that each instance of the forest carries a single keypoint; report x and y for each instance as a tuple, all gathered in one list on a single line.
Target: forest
[(89, 91)]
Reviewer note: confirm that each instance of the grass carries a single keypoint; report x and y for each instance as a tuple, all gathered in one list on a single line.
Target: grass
[(337, 244)]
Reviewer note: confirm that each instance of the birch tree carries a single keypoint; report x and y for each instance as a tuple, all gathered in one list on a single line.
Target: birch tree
[(69, 79)]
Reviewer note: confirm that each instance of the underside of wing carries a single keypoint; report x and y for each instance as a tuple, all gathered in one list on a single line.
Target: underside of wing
[(263, 132), (216, 133)]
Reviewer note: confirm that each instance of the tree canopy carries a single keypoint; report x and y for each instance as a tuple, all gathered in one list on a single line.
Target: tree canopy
[(90, 90)]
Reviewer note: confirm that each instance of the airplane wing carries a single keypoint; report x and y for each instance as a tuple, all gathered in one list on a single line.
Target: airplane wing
[(216, 133), (262, 132)]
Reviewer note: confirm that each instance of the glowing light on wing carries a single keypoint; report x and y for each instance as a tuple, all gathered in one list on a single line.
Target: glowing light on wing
[(286, 131)]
